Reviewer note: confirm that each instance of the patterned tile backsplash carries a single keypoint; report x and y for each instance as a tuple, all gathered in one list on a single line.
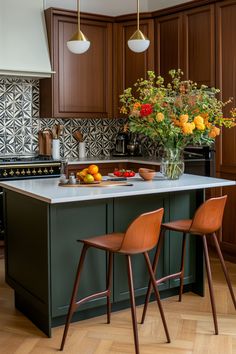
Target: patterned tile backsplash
[(20, 123)]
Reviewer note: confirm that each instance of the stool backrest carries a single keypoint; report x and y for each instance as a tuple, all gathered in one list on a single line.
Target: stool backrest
[(143, 233), (208, 217)]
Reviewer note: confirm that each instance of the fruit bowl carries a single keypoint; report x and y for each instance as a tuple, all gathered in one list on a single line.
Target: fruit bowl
[(146, 174)]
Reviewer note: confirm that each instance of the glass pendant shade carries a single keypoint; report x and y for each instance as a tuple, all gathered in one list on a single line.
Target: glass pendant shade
[(78, 44), (138, 42)]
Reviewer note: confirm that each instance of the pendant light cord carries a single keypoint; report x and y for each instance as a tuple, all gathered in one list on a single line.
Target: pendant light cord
[(138, 15), (78, 8)]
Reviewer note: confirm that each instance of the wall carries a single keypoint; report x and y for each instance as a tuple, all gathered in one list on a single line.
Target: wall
[(20, 123), (105, 7), (113, 7)]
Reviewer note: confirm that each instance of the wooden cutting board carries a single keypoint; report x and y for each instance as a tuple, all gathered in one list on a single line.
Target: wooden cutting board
[(100, 184)]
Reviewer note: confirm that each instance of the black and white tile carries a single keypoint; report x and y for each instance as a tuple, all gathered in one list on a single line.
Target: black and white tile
[(20, 123)]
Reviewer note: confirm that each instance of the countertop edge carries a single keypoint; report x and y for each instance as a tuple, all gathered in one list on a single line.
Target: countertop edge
[(128, 192)]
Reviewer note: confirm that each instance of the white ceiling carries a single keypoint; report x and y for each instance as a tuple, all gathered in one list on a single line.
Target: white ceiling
[(112, 7)]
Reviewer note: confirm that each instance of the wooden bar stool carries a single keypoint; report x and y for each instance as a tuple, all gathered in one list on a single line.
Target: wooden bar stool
[(206, 221), (141, 236)]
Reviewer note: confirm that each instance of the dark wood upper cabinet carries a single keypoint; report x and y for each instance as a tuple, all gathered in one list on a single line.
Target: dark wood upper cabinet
[(82, 84), (130, 66), (186, 41), (169, 44), (226, 79), (199, 45)]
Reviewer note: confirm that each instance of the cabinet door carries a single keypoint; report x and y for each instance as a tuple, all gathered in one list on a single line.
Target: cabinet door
[(130, 66), (126, 210), (226, 147), (169, 43), (199, 45), (82, 84)]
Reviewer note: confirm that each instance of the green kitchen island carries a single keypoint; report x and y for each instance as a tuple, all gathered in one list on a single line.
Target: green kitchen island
[(44, 222)]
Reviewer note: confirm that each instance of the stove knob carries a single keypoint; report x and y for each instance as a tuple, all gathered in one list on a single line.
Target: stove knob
[(5, 173), (11, 173), (17, 172), (39, 171), (45, 171), (34, 171), (23, 172), (51, 170), (28, 172)]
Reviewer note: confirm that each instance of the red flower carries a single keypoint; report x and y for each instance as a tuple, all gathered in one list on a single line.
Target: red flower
[(146, 109)]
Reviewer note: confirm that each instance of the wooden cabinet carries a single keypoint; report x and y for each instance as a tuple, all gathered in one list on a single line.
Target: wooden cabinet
[(130, 66), (169, 44), (199, 45), (82, 84), (186, 41), (226, 147)]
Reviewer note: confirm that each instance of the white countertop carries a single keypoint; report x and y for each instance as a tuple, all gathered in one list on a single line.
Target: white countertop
[(47, 190)]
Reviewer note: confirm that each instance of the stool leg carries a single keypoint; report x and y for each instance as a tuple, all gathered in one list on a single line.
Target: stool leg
[(154, 267), (209, 276), (109, 275), (182, 267), (224, 269), (133, 308), (153, 280), (73, 297)]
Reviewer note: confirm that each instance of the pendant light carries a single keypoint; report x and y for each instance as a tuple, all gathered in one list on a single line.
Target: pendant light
[(138, 42), (78, 44)]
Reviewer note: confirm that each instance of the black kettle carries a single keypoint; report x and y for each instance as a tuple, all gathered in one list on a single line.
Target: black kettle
[(121, 144)]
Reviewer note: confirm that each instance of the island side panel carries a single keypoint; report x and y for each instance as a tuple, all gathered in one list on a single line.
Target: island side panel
[(27, 258), (69, 223), (125, 210)]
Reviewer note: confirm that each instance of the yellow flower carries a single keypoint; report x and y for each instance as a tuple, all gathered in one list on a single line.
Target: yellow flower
[(183, 118), (123, 110), (193, 125), (160, 117), (201, 126), (188, 128), (198, 120)]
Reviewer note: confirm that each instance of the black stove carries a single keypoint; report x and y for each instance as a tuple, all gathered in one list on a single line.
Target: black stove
[(13, 167)]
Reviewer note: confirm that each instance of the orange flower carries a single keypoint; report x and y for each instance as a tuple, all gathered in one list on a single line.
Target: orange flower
[(214, 132), (183, 118), (136, 106), (150, 119), (160, 117), (205, 115)]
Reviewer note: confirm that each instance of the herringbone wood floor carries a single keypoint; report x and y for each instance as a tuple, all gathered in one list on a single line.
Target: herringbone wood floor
[(190, 325)]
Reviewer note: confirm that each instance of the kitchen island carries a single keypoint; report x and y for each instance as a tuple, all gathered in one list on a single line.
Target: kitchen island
[(44, 222)]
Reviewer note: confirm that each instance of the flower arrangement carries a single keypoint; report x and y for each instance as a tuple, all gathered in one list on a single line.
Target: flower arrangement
[(175, 115)]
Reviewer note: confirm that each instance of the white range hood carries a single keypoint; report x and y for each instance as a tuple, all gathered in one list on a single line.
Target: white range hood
[(23, 39)]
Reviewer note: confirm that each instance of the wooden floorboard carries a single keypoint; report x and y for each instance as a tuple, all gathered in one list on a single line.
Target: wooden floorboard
[(190, 325)]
